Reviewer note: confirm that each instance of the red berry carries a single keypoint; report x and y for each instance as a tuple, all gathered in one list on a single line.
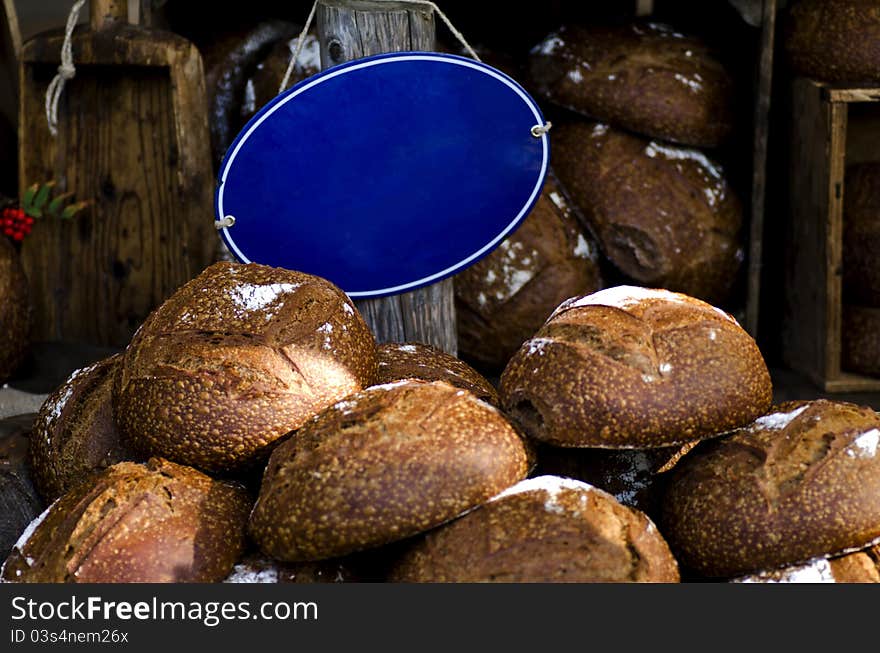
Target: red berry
[(18, 236), (29, 220), (8, 231)]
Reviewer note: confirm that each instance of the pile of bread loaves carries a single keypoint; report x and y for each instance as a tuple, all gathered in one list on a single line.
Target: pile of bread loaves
[(253, 431)]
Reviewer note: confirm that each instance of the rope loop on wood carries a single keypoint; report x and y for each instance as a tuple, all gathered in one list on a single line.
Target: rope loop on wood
[(224, 222), (65, 71)]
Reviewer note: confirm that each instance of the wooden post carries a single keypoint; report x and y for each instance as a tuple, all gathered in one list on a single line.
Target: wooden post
[(350, 29)]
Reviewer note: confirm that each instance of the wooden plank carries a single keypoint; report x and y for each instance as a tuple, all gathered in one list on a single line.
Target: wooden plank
[(11, 30), (133, 137), (10, 51), (349, 30), (834, 234), (805, 304), (761, 126), (862, 94), (848, 382)]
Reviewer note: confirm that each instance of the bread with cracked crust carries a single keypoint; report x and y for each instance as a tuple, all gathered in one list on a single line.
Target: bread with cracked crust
[(237, 358), (635, 368), (801, 482), (547, 529)]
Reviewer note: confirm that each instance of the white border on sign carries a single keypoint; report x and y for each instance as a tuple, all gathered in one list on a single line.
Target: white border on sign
[(380, 60)]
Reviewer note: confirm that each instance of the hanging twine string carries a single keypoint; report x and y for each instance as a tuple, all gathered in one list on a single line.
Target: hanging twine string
[(65, 71), (302, 37)]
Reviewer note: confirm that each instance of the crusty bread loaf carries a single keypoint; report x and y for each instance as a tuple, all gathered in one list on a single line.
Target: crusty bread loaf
[(861, 234), (646, 78), (20, 502), (75, 432), (236, 358), (15, 313), (801, 482), (380, 466), (834, 40), (158, 522), (416, 360), (860, 339), (269, 72), (544, 529), (665, 216), (856, 567), (504, 298), (255, 568), (632, 367)]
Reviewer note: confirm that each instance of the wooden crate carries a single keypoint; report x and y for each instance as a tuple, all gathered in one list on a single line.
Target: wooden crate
[(831, 127)]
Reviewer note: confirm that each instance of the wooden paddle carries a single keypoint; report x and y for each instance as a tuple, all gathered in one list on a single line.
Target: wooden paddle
[(132, 139)]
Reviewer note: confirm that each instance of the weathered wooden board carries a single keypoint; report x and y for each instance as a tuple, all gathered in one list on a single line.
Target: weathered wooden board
[(132, 137), (348, 30)]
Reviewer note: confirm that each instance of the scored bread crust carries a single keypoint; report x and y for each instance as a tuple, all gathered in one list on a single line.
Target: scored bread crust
[(75, 432), (380, 466), (632, 367), (645, 78), (664, 216), (545, 529), (237, 358), (157, 522), (799, 483)]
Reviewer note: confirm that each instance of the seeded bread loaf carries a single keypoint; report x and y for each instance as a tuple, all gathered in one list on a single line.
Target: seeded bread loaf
[(646, 78), (834, 40), (504, 298), (15, 312), (255, 568), (801, 482), (415, 360), (75, 432), (632, 367), (20, 502), (159, 522), (861, 234), (545, 529), (858, 567), (237, 358), (665, 216), (382, 465)]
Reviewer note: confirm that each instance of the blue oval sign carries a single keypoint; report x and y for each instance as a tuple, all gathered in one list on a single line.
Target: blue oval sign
[(385, 173)]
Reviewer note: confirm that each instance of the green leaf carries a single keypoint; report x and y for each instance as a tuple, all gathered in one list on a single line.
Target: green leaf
[(72, 210), (27, 202), (35, 213), (43, 195), (56, 204)]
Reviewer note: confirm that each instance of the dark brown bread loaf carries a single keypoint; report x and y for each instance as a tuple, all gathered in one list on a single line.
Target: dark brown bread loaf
[(259, 569), (14, 310), (664, 216), (159, 522), (380, 466), (630, 367), (504, 298), (860, 339), (236, 358), (834, 40), (800, 482), (861, 234), (545, 529), (263, 84), (415, 360), (75, 432), (19, 501), (646, 78)]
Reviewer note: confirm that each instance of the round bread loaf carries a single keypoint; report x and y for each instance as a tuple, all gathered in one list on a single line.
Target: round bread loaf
[(380, 466), (861, 234), (860, 339), (632, 367), (75, 432), (153, 523), (236, 358), (834, 40), (268, 74), (505, 297), (415, 360), (646, 78), (14, 310), (635, 477), (664, 216), (858, 567), (255, 568), (19, 501), (543, 530), (798, 483)]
